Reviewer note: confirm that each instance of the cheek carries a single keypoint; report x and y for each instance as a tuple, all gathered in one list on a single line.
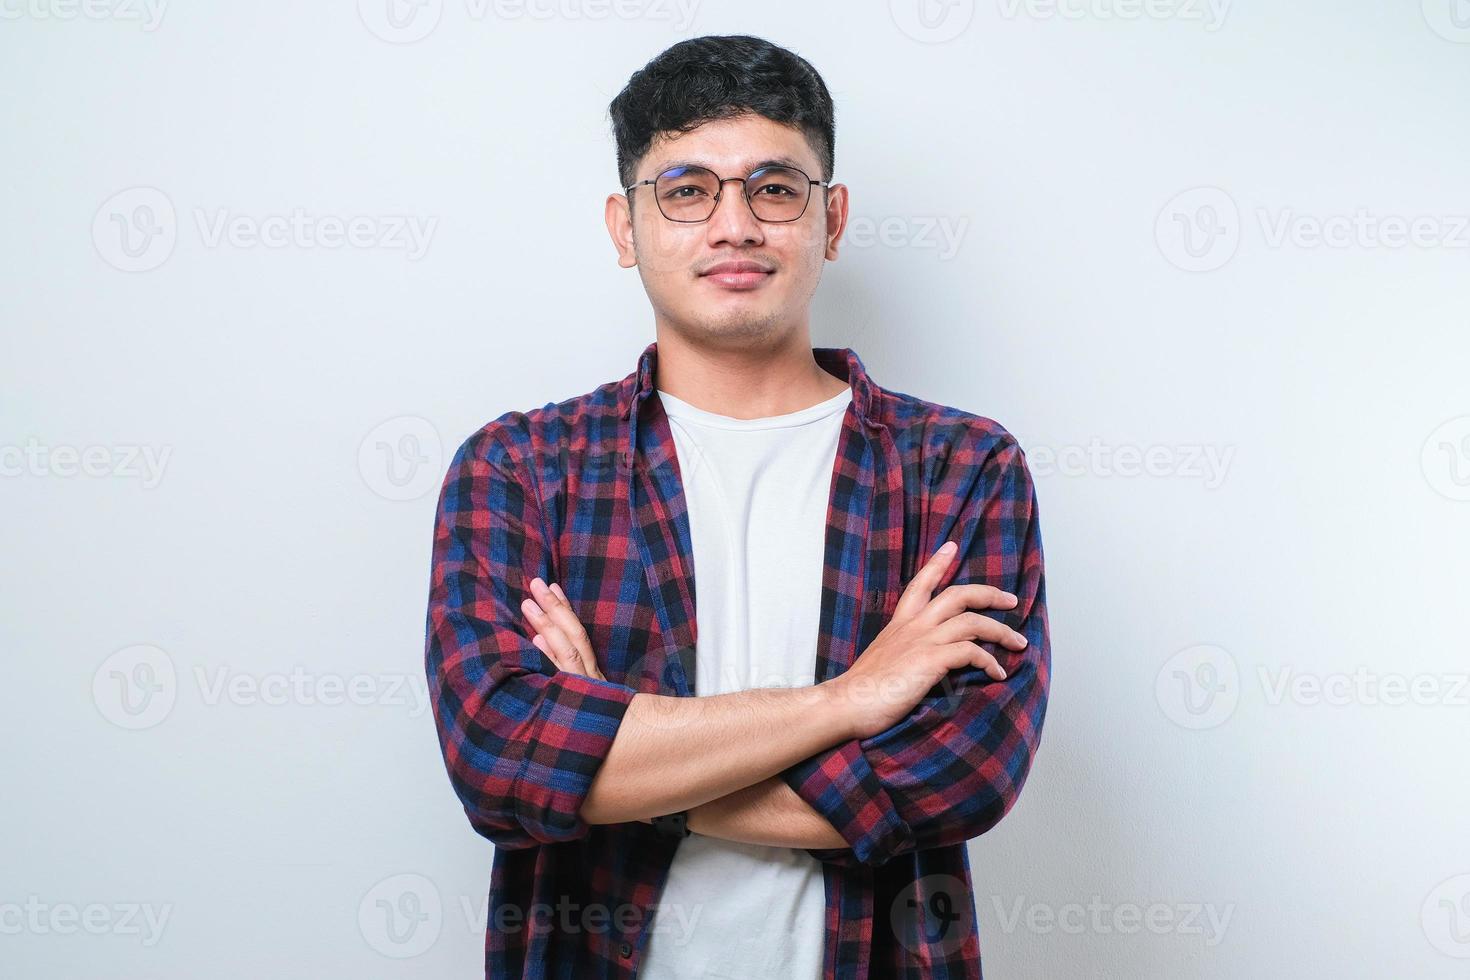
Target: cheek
[(804, 259), (799, 238), (664, 251), (805, 248)]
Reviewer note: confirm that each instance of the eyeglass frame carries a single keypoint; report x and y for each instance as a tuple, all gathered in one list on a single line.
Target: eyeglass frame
[(744, 184)]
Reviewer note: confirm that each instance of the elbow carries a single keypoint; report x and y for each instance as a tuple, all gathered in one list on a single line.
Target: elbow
[(596, 808), (514, 820), (887, 839), (489, 804), (986, 808), (518, 814), (522, 747), (500, 829)]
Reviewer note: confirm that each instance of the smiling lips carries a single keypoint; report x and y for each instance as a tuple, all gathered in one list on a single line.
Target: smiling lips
[(737, 275)]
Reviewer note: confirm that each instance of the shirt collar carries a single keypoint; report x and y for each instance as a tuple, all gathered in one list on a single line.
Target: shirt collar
[(843, 362)]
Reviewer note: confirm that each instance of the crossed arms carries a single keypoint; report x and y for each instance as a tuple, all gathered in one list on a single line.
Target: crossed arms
[(539, 745)]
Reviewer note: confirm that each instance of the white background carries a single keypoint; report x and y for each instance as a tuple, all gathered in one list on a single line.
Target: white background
[(1093, 223)]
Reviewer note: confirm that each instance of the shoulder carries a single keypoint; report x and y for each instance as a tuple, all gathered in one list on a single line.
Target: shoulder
[(589, 422), (929, 433)]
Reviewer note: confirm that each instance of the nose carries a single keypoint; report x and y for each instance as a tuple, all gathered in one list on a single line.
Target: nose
[(733, 219)]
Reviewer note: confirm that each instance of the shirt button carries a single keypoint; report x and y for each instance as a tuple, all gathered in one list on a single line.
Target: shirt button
[(625, 949)]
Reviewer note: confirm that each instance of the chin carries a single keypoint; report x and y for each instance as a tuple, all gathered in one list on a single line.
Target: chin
[(743, 328)]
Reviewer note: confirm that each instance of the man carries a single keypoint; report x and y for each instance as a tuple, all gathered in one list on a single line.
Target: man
[(772, 775)]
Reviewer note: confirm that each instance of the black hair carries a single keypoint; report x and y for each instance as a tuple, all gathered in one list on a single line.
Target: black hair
[(717, 77)]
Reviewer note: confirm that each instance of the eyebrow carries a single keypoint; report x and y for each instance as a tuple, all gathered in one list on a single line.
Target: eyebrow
[(749, 168)]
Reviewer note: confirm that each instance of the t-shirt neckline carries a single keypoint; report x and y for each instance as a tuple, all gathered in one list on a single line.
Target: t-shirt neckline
[(678, 408)]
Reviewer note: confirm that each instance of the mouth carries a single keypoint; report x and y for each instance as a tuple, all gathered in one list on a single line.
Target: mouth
[(737, 275)]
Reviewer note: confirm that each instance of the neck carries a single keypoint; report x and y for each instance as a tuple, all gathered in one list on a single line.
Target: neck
[(745, 383)]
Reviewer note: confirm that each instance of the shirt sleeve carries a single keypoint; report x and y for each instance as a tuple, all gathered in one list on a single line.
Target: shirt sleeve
[(953, 767), (521, 740)]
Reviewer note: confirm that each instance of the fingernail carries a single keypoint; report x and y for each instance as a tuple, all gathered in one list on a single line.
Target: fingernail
[(559, 593), (948, 548)]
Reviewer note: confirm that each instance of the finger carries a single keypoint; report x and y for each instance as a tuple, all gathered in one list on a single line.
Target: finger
[(565, 618), (920, 590), (569, 665), (977, 626), (561, 611), (955, 599), (554, 603), (966, 653), (540, 643), (562, 648), (561, 661)]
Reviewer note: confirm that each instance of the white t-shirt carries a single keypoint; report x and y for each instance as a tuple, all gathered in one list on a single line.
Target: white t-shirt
[(757, 493)]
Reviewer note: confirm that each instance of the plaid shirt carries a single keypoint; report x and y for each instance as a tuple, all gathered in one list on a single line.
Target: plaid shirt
[(586, 493)]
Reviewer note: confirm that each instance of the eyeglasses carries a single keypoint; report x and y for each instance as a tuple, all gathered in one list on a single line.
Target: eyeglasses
[(691, 194)]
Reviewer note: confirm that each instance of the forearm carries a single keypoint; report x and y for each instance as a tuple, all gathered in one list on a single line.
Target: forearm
[(675, 753), (768, 812)]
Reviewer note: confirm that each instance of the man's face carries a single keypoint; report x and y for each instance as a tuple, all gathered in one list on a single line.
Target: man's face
[(679, 263)]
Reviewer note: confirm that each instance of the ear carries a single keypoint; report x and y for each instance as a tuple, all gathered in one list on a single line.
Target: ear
[(836, 218), (620, 228)]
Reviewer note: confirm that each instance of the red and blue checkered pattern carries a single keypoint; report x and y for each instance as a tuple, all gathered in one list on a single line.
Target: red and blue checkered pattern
[(586, 493)]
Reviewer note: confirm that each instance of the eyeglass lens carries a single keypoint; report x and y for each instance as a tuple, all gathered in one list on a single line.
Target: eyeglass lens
[(775, 193)]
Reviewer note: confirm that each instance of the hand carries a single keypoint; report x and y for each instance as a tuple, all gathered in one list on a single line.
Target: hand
[(927, 637), (557, 632), (569, 647)]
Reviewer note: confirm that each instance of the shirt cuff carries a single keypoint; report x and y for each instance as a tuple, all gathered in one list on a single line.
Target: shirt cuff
[(575, 725), (840, 785)]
